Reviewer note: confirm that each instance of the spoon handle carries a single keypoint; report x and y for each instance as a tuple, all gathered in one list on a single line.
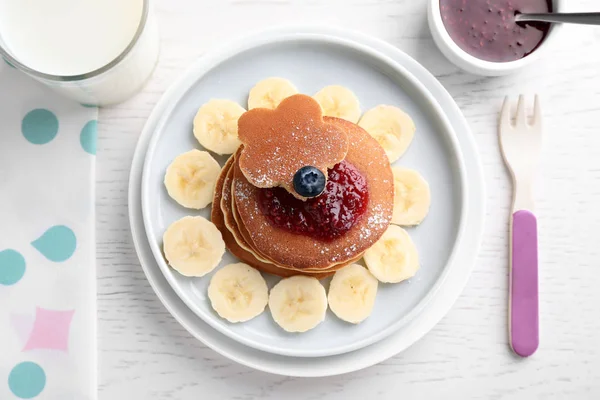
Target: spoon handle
[(592, 18)]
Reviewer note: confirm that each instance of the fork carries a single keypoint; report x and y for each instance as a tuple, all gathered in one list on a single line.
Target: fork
[(521, 147)]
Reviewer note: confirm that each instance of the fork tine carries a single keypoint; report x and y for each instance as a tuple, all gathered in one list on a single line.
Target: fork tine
[(521, 118), (505, 114), (537, 111)]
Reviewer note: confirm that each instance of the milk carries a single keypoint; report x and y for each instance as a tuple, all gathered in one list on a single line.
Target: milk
[(67, 38)]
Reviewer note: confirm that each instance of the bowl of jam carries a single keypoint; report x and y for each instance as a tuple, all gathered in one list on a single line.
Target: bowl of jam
[(483, 36)]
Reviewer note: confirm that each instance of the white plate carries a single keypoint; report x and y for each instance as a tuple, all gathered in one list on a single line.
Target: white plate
[(412, 331), (376, 79)]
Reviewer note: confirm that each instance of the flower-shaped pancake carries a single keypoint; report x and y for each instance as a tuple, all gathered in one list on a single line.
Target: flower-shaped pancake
[(277, 143)]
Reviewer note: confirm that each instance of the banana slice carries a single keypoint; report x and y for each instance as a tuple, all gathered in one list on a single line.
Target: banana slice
[(191, 178), (352, 293), (269, 92), (298, 304), (412, 197), (391, 127), (338, 101), (215, 126), (193, 246), (393, 258), (238, 292)]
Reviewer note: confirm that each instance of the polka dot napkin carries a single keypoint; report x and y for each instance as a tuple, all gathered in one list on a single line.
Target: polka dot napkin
[(47, 243)]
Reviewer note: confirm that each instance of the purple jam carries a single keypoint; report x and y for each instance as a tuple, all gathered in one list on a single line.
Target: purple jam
[(487, 29)]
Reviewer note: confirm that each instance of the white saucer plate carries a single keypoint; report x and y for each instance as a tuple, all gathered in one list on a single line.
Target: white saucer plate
[(448, 239)]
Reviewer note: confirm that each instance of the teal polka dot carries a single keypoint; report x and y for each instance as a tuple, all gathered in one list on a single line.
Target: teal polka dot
[(88, 105), (39, 126), (57, 244), (12, 267), (88, 137), (27, 380)]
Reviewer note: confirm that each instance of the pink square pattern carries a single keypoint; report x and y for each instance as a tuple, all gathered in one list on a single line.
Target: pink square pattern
[(51, 330)]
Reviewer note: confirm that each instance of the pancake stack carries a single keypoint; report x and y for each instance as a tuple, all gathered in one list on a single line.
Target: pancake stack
[(275, 143)]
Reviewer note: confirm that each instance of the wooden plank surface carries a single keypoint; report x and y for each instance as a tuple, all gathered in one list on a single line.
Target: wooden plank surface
[(145, 354)]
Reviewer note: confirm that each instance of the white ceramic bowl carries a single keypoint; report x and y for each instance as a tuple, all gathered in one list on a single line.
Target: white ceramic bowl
[(473, 64)]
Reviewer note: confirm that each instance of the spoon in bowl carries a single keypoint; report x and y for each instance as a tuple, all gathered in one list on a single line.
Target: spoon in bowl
[(592, 18)]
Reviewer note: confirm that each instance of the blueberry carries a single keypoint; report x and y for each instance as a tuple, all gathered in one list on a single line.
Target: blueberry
[(309, 181)]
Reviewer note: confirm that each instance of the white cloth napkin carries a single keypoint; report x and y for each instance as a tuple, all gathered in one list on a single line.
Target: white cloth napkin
[(47, 243)]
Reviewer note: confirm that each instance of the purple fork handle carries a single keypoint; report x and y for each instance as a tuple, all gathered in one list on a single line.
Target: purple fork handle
[(524, 317)]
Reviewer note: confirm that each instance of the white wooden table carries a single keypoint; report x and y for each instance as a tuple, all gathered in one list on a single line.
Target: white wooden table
[(145, 354)]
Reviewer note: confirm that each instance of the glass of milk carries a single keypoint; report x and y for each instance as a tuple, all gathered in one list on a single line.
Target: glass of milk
[(98, 52)]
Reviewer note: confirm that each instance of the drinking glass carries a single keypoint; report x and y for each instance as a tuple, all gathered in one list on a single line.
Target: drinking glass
[(112, 83)]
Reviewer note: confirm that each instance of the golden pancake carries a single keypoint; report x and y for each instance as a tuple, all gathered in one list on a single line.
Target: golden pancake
[(232, 222), (240, 237), (303, 252), (228, 217), (217, 218)]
